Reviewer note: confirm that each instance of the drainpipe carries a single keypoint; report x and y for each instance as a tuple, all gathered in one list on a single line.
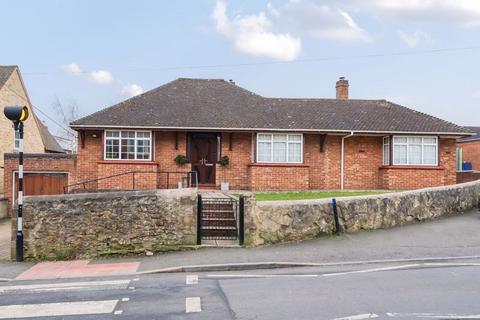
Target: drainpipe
[(342, 160)]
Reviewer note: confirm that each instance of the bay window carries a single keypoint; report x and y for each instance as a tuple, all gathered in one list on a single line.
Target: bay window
[(279, 148), (128, 145), (411, 150)]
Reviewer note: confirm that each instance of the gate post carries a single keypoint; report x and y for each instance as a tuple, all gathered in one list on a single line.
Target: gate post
[(199, 219), (241, 220)]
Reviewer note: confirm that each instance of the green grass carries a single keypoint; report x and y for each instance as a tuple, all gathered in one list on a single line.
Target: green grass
[(272, 196)]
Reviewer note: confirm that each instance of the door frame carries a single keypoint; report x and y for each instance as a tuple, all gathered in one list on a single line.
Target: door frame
[(14, 172), (218, 143)]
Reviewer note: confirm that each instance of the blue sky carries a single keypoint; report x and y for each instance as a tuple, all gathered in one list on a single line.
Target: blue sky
[(97, 53)]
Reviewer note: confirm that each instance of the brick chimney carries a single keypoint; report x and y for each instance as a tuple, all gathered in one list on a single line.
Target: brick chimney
[(342, 88)]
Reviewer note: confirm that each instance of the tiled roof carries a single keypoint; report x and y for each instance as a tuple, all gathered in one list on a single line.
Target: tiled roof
[(219, 104), (475, 137), (50, 143), (5, 72)]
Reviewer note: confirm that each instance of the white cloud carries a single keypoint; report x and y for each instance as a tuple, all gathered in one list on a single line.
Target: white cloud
[(252, 34), (414, 39), (132, 90), (461, 12), (72, 69), (101, 77), (321, 20)]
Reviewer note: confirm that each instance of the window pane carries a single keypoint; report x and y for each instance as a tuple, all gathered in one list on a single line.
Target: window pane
[(415, 154), (386, 154), (294, 152), (279, 150), (295, 138), (400, 154), (430, 140), (400, 140), (112, 134), (414, 140), (279, 138), (264, 137), (264, 152), (112, 149), (430, 155), (128, 148)]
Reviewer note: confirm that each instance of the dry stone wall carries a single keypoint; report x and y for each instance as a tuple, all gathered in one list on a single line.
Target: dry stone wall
[(278, 221), (93, 225)]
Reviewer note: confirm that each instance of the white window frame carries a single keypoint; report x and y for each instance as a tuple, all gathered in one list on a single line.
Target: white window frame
[(119, 138), (422, 147), (301, 142), (386, 154)]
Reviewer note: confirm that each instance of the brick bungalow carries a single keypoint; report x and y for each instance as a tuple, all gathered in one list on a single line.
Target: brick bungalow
[(271, 143), (469, 152)]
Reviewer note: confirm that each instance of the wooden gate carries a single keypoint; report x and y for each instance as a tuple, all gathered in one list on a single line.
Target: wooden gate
[(41, 183)]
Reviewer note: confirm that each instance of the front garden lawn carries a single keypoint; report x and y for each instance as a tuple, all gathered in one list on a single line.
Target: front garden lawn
[(271, 196)]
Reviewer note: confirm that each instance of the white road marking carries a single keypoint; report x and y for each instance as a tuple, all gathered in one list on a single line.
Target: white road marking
[(371, 270), (191, 279), (193, 304), (433, 315), (136, 279), (118, 312), (359, 317), (263, 275), (131, 288), (122, 284), (125, 299), (57, 309)]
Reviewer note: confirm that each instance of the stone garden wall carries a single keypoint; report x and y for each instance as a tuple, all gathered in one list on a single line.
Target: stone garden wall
[(277, 221), (93, 225)]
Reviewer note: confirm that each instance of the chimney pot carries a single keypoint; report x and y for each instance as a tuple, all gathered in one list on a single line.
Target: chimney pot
[(342, 88)]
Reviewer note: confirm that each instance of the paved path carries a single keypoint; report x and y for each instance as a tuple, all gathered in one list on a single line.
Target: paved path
[(5, 236)]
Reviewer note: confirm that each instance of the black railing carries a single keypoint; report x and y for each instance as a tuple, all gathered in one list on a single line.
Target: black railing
[(218, 219), (136, 180)]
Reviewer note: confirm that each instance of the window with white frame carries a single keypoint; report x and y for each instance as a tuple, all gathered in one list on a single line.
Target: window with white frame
[(128, 145), (279, 148), (412, 150), (386, 151), (16, 142)]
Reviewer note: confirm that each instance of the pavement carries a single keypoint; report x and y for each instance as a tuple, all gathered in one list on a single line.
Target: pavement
[(5, 236), (453, 236)]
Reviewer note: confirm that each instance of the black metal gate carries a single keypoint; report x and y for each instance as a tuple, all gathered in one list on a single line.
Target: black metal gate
[(220, 219)]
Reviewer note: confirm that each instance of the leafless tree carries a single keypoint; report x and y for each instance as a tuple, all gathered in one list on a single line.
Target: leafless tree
[(66, 113)]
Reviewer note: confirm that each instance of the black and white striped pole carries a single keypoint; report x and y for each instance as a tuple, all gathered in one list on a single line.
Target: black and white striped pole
[(18, 114)]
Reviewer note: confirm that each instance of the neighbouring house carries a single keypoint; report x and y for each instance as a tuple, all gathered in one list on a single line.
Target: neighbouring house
[(468, 156), (37, 138), (39, 179), (271, 143)]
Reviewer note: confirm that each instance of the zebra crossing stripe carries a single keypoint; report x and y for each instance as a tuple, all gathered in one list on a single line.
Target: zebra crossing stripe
[(57, 309)]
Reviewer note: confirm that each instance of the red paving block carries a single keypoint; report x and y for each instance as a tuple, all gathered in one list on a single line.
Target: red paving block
[(78, 268)]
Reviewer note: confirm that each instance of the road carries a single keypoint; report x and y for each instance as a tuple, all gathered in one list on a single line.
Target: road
[(408, 291)]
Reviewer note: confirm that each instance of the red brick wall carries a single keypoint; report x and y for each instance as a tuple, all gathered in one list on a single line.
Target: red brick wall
[(321, 170), (44, 162), (236, 172), (402, 178), (90, 152), (363, 157), (147, 180), (279, 177), (471, 153)]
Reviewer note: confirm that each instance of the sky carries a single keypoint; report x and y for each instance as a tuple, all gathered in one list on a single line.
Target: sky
[(424, 54)]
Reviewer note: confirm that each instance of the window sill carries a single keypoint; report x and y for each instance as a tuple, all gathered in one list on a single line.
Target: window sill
[(414, 167), (133, 162), (278, 165)]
